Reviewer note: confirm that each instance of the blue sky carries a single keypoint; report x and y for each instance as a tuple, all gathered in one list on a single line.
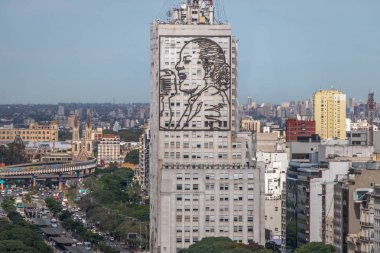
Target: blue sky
[(98, 50)]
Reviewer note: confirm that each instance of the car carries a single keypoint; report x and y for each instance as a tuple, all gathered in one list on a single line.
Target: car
[(87, 245), (54, 225)]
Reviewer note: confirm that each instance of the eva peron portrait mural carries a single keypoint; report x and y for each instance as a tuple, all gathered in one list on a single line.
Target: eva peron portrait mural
[(195, 83)]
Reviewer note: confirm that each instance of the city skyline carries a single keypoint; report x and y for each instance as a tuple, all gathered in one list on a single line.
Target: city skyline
[(54, 51)]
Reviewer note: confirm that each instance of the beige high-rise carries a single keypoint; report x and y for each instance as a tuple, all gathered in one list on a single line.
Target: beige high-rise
[(329, 112)]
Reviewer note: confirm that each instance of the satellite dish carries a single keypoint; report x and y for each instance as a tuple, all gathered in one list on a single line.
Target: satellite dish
[(183, 6)]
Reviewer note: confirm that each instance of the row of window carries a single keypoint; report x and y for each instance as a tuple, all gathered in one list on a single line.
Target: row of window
[(235, 176), (201, 155), (227, 197), (225, 187), (195, 144), (27, 132), (197, 134), (222, 176)]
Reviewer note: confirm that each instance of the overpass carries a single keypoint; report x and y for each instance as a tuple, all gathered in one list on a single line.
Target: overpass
[(47, 170)]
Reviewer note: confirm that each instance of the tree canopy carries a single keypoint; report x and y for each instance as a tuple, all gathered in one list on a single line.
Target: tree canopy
[(19, 237), (315, 247), (224, 245), (12, 153), (132, 157)]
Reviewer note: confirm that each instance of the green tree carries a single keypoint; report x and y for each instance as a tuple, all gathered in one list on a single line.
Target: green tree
[(15, 246), (223, 245), (315, 247), (64, 135), (53, 205), (134, 192), (132, 157), (8, 204), (28, 198), (12, 153), (130, 134)]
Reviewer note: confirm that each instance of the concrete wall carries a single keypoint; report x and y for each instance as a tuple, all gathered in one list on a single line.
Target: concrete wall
[(329, 151)]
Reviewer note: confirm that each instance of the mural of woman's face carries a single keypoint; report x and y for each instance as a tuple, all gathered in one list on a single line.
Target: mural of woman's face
[(187, 64)]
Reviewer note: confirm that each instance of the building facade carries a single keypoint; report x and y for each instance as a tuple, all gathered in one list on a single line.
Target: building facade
[(203, 180), (299, 129), (376, 222), (310, 202), (142, 173), (348, 197), (329, 113), (109, 149), (34, 133)]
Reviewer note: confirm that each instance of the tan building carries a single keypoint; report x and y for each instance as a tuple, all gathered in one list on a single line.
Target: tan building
[(109, 149), (35, 132), (329, 112), (249, 124), (348, 199), (363, 240)]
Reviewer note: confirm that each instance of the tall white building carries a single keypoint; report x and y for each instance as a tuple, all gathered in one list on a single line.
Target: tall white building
[(203, 181)]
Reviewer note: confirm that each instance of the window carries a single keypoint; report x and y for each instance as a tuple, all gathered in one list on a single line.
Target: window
[(210, 176), (195, 186), (179, 187), (210, 187), (223, 187), (238, 187), (238, 218), (179, 197), (238, 176), (187, 187)]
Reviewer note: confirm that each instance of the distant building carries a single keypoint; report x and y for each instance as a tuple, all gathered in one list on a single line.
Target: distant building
[(348, 197), (249, 124), (61, 110), (275, 165), (329, 113), (82, 147), (376, 223), (34, 132), (109, 149), (364, 239), (97, 134), (142, 173), (297, 130)]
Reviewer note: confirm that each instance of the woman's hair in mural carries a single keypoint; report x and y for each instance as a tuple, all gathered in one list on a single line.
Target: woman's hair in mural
[(214, 62)]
